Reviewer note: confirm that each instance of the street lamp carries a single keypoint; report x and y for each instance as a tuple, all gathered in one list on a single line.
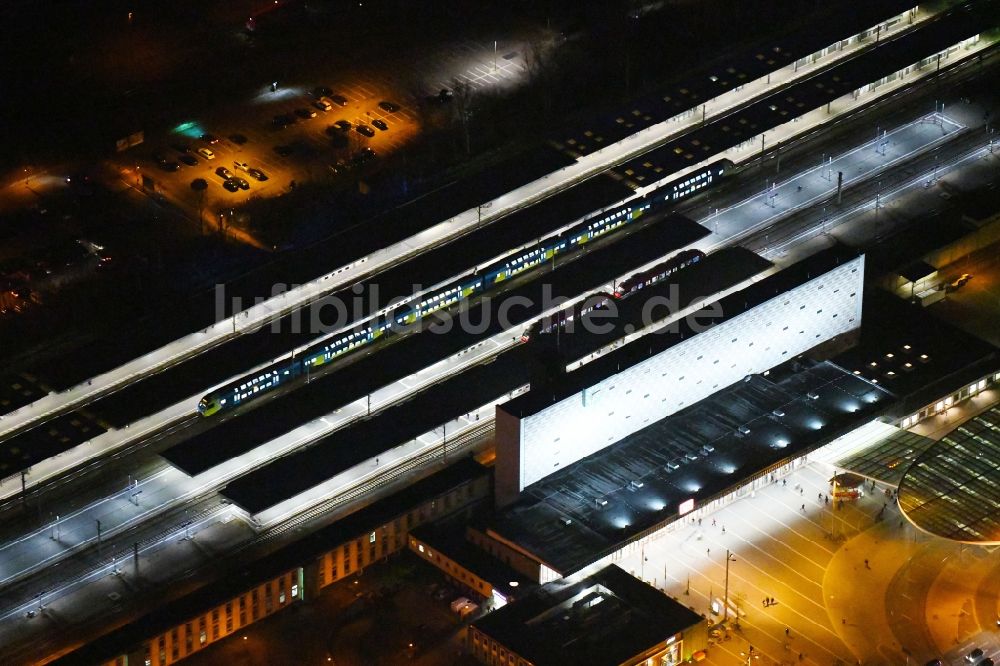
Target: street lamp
[(725, 600)]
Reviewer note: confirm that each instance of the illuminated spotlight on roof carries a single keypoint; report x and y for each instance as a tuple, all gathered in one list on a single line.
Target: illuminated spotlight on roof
[(923, 357), (873, 364), (872, 397), (657, 505), (857, 372), (692, 487), (906, 347), (816, 424), (513, 583), (889, 355), (781, 442), (621, 523), (728, 468)]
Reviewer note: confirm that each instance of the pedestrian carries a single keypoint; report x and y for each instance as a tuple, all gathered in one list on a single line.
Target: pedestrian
[(708, 552), (699, 522), (866, 565), (723, 529), (787, 630), (713, 522), (784, 482), (803, 508), (802, 491)]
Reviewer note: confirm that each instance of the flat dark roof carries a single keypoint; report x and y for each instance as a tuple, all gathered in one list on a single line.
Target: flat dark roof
[(917, 270), (425, 270), (651, 345), (815, 91), (288, 557), (448, 537), (825, 27), (916, 356), (616, 494), (605, 619), (292, 474)]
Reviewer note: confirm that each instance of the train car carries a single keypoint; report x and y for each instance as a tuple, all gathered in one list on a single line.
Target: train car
[(466, 287), (564, 319), (249, 387), (692, 183), (658, 272)]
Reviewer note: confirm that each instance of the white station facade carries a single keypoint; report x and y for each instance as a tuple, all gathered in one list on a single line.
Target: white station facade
[(547, 430)]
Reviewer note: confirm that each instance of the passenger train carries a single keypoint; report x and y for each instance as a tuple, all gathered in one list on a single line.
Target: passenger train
[(252, 386), (600, 300)]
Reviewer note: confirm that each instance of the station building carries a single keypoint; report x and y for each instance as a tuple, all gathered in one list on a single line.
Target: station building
[(292, 574), (606, 619), (744, 334)]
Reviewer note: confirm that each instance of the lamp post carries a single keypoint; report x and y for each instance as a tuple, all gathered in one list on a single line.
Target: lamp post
[(725, 595)]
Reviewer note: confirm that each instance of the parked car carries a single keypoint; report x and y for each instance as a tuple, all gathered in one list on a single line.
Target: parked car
[(381, 124), (190, 160), (960, 281), (974, 656), (305, 113), (241, 166), (322, 91), (364, 129), (343, 125), (258, 174), (224, 173), (231, 185), (339, 100), (283, 120), (206, 153), (340, 166), (391, 107), (323, 104), (209, 138), (242, 183), (363, 155)]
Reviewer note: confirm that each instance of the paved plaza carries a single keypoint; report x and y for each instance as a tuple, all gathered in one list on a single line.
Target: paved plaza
[(851, 584)]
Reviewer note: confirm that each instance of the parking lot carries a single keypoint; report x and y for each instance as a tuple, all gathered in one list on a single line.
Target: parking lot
[(285, 132)]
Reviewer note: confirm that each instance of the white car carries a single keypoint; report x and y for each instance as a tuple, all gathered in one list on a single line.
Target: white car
[(241, 166), (206, 153), (323, 104)]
